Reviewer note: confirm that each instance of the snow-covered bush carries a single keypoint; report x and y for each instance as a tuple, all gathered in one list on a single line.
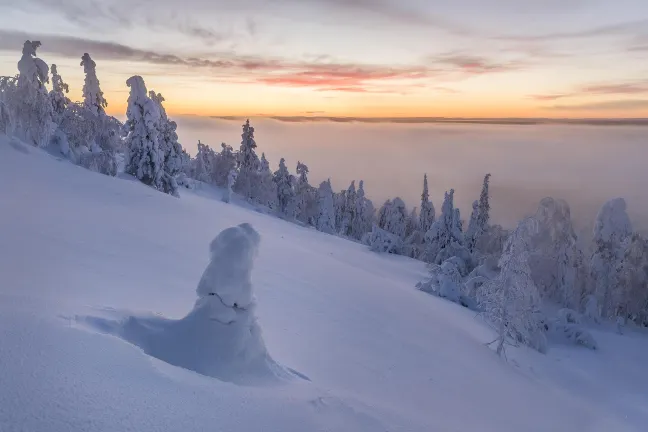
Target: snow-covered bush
[(445, 281), (414, 245), (511, 301), (566, 328), (383, 241)]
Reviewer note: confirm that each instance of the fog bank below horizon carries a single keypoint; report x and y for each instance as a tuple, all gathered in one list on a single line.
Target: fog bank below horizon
[(585, 165)]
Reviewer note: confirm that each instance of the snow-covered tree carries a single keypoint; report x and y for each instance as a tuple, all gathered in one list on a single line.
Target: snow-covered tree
[(169, 145), (203, 165), (145, 158), (630, 298), (412, 223), (555, 259), (231, 179), (427, 214), (248, 164), (93, 97), (349, 207), (305, 196), (611, 229), (511, 301), (222, 163), (266, 193), (326, 211), (285, 190), (27, 109), (479, 218), (57, 95), (392, 217), (444, 238), (364, 211)]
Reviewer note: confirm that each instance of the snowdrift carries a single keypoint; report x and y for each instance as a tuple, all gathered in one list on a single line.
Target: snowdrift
[(220, 337)]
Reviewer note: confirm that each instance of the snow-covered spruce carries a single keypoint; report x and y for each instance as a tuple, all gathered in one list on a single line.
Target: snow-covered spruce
[(145, 159), (427, 213), (26, 110), (93, 97), (511, 301), (266, 191), (611, 229), (326, 212), (392, 217), (231, 179), (305, 197), (248, 164), (220, 337), (285, 190), (380, 240), (444, 239)]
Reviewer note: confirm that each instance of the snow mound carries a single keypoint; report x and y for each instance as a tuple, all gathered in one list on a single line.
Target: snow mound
[(220, 337)]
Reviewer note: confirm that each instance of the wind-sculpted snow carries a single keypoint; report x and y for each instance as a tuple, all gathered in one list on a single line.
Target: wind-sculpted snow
[(220, 337)]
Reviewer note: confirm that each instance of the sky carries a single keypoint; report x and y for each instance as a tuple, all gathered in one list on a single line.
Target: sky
[(349, 58)]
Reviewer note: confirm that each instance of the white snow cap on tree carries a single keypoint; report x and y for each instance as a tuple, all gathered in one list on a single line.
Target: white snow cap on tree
[(326, 212), (31, 69), (93, 97), (427, 214), (145, 159), (511, 301)]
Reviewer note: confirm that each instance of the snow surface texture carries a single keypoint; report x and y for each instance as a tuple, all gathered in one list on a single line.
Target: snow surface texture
[(220, 336), (381, 355)]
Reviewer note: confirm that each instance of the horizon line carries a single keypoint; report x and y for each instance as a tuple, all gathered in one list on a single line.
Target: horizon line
[(626, 121)]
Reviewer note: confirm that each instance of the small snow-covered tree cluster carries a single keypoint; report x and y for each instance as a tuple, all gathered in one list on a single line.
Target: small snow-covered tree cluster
[(82, 131)]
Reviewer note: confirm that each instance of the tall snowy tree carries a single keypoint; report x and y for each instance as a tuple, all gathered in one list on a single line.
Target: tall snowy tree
[(630, 298), (305, 196), (427, 214), (480, 217), (93, 97), (57, 95), (511, 301), (27, 108), (444, 238), (285, 190), (326, 211), (555, 260), (266, 193), (248, 163), (145, 159), (169, 145), (222, 163), (611, 230), (348, 211), (364, 210)]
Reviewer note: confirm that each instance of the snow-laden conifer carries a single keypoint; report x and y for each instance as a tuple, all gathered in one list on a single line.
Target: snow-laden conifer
[(93, 97)]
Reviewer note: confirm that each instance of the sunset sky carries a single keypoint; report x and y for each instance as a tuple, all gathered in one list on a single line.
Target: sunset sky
[(362, 58)]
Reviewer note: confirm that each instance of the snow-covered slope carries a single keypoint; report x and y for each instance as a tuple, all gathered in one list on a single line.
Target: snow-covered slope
[(375, 354)]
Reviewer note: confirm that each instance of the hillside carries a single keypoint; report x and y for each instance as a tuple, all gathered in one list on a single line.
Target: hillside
[(375, 354)]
